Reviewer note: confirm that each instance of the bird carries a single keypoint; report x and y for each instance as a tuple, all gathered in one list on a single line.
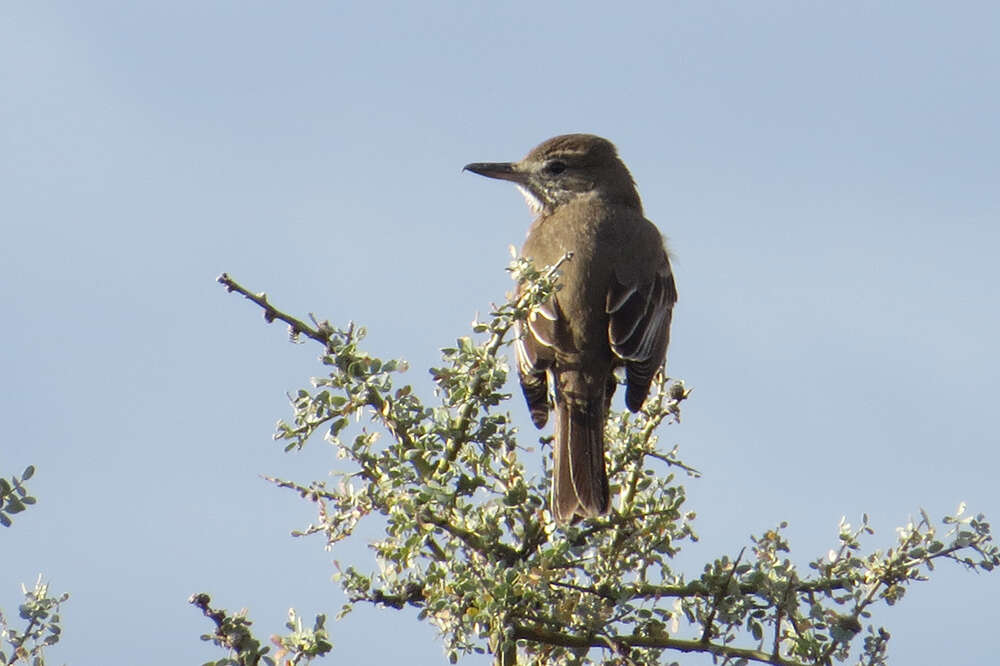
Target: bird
[(613, 307)]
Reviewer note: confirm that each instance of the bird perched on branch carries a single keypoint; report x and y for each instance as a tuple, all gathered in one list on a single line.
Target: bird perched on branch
[(613, 308)]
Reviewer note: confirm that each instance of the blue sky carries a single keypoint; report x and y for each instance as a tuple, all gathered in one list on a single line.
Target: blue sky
[(826, 174)]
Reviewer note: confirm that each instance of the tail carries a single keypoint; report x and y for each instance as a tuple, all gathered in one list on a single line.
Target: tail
[(579, 479)]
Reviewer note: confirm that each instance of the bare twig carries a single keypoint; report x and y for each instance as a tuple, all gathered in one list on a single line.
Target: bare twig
[(298, 327)]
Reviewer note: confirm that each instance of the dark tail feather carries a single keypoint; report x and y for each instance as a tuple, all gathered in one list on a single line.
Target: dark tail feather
[(536, 394), (579, 479)]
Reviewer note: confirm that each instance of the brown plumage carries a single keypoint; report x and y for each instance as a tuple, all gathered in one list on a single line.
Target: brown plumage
[(613, 308)]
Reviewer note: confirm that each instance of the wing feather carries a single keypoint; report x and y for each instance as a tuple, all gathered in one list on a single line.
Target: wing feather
[(639, 330), (533, 349)]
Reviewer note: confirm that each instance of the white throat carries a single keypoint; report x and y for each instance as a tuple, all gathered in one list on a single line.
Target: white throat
[(533, 203)]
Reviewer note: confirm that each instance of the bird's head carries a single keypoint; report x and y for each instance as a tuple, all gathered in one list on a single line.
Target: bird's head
[(565, 168)]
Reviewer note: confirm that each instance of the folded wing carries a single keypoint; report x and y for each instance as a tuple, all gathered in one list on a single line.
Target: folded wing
[(639, 329)]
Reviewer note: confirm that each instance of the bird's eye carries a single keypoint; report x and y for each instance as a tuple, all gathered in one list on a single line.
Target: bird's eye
[(555, 167)]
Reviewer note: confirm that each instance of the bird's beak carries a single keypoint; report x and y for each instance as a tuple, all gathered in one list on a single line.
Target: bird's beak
[(499, 170)]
